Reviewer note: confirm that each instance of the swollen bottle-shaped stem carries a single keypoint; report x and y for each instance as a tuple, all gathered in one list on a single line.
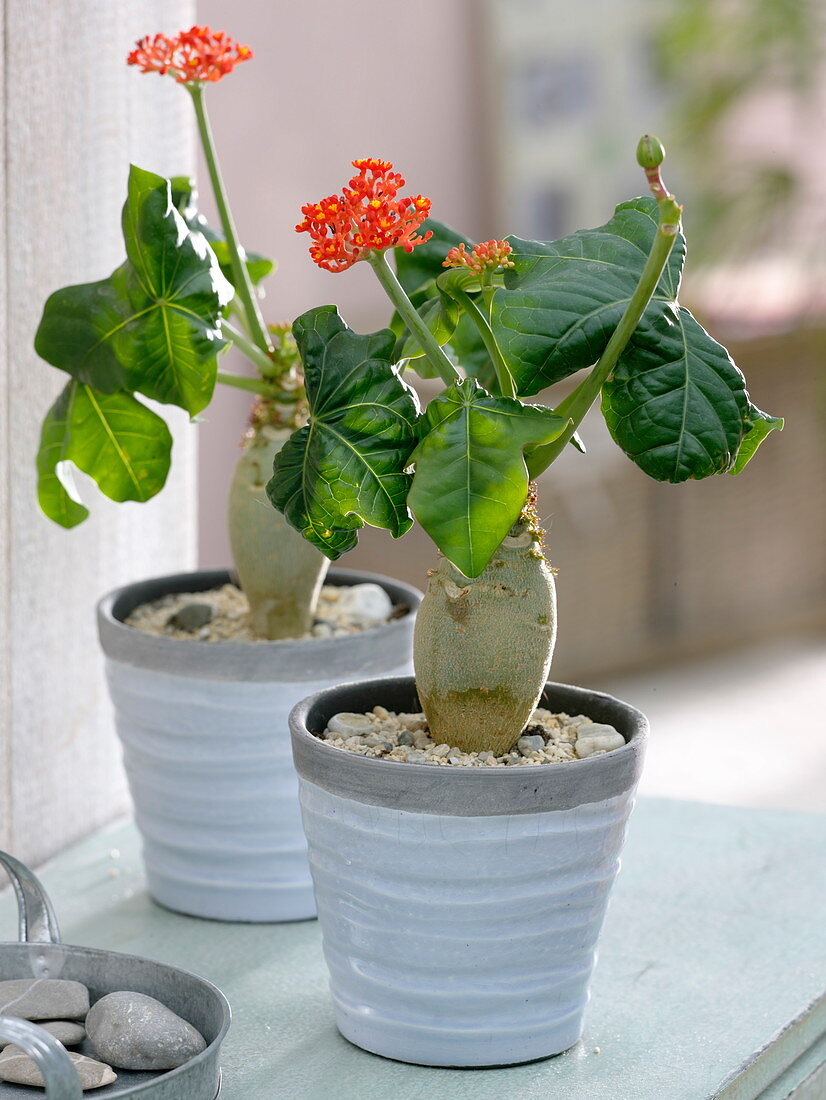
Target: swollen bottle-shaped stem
[(483, 647)]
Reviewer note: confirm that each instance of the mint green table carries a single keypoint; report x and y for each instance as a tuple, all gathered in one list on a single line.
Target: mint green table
[(710, 982)]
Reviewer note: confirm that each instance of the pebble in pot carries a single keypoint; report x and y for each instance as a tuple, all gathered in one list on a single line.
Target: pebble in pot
[(18, 1068), (43, 999), (133, 1031), (192, 617), (367, 604)]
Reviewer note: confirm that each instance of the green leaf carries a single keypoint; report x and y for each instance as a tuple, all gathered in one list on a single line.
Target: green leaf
[(111, 437), (185, 201), (762, 424), (346, 467), (676, 403), (471, 480), (153, 325), (562, 301), (424, 263)]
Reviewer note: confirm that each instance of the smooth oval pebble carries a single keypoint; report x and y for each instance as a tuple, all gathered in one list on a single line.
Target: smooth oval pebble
[(18, 1068), (43, 999), (350, 725), (192, 616), (133, 1031), (67, 1032), (365, 601), (597, 737)]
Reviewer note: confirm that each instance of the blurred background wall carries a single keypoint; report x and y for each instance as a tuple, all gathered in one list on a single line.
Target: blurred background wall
[(522, 116), (65, 148)]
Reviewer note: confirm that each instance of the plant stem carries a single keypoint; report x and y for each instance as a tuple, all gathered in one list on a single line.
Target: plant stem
[(407, 312), (236, 312), (503, 375), (243, 284), (579, 401), (239, 382), (241, 341)]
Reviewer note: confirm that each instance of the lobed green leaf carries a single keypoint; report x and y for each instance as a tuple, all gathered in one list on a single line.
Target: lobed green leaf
[(347, 466), (153, 325), (112, 437)]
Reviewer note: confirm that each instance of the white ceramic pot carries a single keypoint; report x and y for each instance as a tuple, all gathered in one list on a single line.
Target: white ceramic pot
[(207, 753), (460, 907)]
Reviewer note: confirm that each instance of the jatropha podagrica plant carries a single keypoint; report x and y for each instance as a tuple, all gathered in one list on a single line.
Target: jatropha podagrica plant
[(497, 322), (154, 328)]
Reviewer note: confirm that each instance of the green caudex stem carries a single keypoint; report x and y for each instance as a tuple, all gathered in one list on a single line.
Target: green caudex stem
[(482, 648), (407, 311), (280, 572), (243, 283), (580, 400)]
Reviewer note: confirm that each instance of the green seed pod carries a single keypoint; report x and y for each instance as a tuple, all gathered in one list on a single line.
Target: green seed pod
[(650, 152)]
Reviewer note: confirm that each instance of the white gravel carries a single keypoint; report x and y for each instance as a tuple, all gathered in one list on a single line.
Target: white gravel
[(548, 739), (342, 610)]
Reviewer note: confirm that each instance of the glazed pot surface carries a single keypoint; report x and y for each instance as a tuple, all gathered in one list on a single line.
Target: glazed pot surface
[(206, 748), (460, 907)]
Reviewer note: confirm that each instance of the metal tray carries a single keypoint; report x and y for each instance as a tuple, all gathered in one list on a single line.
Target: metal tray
[(39, 953)]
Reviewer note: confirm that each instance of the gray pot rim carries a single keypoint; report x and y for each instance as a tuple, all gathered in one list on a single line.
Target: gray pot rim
[(248, 661), (464, 792)]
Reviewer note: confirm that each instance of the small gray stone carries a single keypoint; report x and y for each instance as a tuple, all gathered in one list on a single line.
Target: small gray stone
[(65, 1031), (191, 617), (412, 722), (416, 756), (18, 1068), (483, 757), (527, 745), (405, 737), (43, 999), (133, 1031), (378, 743)]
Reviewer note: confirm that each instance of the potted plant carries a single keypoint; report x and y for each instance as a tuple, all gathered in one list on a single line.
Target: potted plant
[(204, 726), (463, 839)]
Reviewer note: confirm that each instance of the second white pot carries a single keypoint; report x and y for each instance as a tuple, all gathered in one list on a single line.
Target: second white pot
[(207, 752)]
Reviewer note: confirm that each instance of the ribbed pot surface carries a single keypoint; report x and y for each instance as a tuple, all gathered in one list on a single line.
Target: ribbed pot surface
[(455, 935), (207, 754)]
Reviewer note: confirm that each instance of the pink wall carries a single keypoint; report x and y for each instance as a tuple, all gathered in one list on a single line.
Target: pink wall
[(321, 91)]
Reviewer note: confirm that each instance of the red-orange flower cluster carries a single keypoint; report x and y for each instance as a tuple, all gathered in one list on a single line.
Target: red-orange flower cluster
[(483, 257), (192, 56), (365, 217)]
